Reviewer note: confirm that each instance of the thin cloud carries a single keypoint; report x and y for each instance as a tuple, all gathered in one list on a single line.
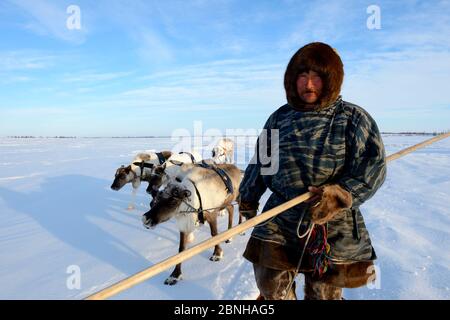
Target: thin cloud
[(387, 85), (320, 21), (95, 76), (139, 20), (13, 80), (26, 111), (25, 60), (152, 46), (224, 83)]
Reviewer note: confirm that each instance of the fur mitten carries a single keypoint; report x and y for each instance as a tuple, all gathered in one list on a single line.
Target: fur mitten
[(248, 210), (332, 199)]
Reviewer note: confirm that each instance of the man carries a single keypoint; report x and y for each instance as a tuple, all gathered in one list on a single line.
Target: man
[(333, 149)]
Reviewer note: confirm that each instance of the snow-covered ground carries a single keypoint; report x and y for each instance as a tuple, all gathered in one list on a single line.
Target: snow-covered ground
[(58, 214)]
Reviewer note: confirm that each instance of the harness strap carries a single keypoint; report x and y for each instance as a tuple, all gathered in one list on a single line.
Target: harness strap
[(190, 154), (222, 174), (201, 217), (143, 165), (161, 158)]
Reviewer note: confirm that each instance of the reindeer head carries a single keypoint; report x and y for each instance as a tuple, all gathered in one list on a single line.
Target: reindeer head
[(122, 177), (157, 178), (223, 151), (165, 205)]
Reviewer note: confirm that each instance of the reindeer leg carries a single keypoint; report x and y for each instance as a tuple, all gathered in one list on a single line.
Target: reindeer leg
[(218, 252), (149, 189), (153, 193), (131, 206), (176, 274), (230, 210)]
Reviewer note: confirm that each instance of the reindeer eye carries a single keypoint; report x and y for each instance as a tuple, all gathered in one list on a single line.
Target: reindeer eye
[(175, 193)]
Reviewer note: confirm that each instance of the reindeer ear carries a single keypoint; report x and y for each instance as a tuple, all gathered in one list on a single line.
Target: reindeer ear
[(128, 169), (186, 193), (166, 154)]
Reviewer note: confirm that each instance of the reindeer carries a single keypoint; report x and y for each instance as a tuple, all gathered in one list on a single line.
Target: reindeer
[(223, 151), (198, 196), (139, 170), (161, 174)]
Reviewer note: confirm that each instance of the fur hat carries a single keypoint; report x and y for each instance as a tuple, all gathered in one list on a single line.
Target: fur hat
[(324, 60)]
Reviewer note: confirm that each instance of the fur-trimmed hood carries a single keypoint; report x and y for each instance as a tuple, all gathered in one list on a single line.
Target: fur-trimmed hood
[(323, 59)]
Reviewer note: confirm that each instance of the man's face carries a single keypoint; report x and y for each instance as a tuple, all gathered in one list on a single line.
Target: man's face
[(309, 86)]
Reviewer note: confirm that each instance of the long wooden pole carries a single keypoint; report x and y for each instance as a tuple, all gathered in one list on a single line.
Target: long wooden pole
[(403, 152), (185, 255)]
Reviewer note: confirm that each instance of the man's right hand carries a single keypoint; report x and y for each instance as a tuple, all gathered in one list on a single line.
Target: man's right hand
[(248, 210)]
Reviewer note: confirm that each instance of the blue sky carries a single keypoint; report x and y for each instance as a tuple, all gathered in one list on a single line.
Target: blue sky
[(150, 67)]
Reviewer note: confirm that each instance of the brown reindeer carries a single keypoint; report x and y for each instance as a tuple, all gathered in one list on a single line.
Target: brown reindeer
[(139, 170)]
